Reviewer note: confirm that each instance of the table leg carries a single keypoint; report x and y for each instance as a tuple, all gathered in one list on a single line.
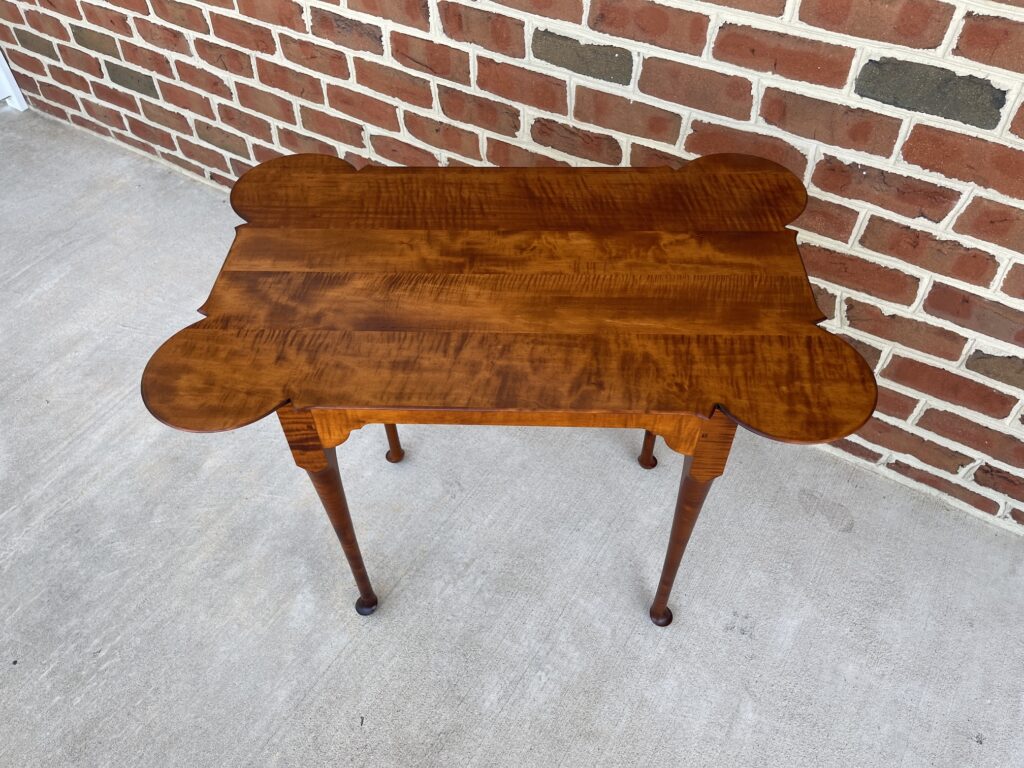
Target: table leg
[(699, 471), (395, 453), (321, 464), (647, 460)]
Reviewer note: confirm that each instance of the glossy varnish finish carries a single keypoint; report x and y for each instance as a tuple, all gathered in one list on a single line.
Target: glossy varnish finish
[(669, 301)]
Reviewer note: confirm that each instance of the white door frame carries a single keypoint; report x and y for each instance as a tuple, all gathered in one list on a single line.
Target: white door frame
[(9, 89)]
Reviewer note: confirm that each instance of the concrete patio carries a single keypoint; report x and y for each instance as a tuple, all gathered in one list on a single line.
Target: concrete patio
[(178, 599)]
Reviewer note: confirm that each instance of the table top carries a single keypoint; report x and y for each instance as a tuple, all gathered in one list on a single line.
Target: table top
[(546, 290)]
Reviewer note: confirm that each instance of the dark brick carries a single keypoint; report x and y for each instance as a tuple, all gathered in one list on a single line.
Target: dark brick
[(605, 62), (30, 41), (933, 90), (1008, 369), (132, 80), (95, 41)]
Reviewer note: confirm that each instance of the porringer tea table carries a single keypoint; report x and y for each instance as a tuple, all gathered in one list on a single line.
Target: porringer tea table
[(672, 301)]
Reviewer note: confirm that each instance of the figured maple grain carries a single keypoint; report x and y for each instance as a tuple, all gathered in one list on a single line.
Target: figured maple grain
[(603, 297)]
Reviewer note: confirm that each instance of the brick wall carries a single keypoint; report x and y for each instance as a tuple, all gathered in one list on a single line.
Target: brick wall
[(903, 117)]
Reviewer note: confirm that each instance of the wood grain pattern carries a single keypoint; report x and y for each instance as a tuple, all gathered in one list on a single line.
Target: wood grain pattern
[(612, 297)]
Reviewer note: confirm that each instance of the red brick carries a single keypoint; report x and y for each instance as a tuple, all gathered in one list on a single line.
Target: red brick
[(183, 15), (105, 115), (47, 24), (141, 6), (313, 56), (278, 13), (673, 28), (108, 19), (401, 153), (363, 107), (870, 353), (238, 167), (7, 37), (222, 139), (766, 7), (443, 136), (394, 83), (411, 13), (979, 314), (102, 130), (895, 403), (709, 138), (1000, 481), (243, 34), (949, 386), (992, 40), (202, 155), (1017, 125), (222, 57), (63, 7), (44, 106), (203, 80), (163, 37), (509, 155), (575, 141), (267, 103), (904, 330), (901, 194), (828, 219), (895, 439), (151, 135), (913, 246), (10, 12), (990, 442), (522, 85), (145, 58), (186, 99), (912, 23), (347, 33), (246, 123), (641, 156), (296, 83), (825, 299), (853, 272), (166, 117), (995, 222), (123, 101), (332, 126), (185, 164), (21, 60), (830, 123), (262, 154), (856, 449), (789, 56), (80, 60), (568, 10), (696, 87), (476, 110), (488, 30), (968, 158), (1017, 515), (947, 487), (432, 58), (58, 95), (1013, 283), (70, 79), (620, 114)]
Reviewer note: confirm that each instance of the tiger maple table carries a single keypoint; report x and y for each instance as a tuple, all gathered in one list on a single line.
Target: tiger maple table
[(672, 301)]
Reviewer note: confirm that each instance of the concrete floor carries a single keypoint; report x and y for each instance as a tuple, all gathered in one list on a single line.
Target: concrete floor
[(177, 599)]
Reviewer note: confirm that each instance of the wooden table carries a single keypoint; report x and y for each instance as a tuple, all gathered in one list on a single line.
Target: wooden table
[(672, 301)]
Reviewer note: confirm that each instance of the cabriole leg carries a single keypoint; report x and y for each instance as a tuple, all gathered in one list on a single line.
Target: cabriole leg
[(395, 453), (699, 471), (321, 464)]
